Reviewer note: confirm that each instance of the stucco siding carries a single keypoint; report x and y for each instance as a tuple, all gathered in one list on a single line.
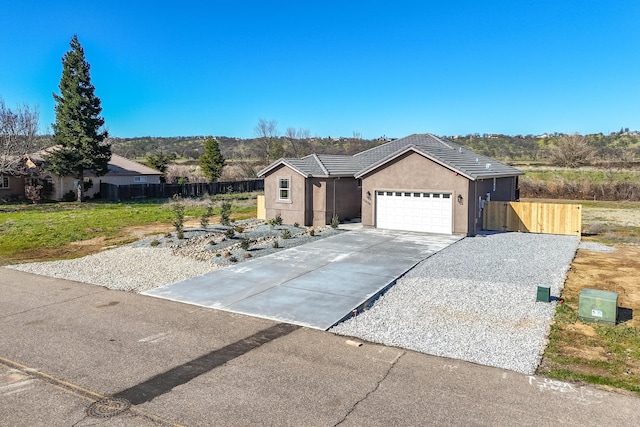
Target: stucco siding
[(335, 195), (413, 172), (292, 210), (15, 188)]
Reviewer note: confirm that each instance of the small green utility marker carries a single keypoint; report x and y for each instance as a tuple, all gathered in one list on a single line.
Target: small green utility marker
[(598, 306), (544, 294)]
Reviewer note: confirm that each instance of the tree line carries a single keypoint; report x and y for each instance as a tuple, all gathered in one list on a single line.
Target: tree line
[(82, 142)]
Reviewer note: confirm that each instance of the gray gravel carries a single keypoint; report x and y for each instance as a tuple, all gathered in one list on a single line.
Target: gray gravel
[(163, 259), (475, 301), (596, 247)]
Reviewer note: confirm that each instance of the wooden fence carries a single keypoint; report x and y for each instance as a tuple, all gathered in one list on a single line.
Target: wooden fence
[(118, 193), (531, 217)]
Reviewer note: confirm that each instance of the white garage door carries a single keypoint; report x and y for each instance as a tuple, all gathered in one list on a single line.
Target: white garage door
[(414, 211)]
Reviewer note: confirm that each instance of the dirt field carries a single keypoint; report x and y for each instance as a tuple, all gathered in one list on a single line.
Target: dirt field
[(601, 354)]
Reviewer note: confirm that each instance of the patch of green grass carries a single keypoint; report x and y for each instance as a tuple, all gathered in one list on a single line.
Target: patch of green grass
[(564, 374), (597, 176), (29, 227)]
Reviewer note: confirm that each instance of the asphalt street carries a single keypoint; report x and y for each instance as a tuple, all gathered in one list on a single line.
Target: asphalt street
[(73, 354)]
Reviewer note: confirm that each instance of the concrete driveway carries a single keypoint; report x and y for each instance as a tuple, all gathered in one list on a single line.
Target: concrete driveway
[(314, 285)]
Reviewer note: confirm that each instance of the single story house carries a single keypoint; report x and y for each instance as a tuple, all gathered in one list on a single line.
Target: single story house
[(122, 171), (417, 183)]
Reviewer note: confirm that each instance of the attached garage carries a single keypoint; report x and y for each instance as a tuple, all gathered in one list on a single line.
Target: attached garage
[(419, 183), (414, 211)]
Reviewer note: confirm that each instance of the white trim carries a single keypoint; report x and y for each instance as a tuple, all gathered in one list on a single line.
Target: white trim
[(286, 189), (4, 179)]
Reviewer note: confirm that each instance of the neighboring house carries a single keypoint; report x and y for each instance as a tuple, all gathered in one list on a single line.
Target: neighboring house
[(122, 171), (417, 183)]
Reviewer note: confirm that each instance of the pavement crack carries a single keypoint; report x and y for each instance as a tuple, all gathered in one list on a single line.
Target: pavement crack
[(50, 304), (370, 392)]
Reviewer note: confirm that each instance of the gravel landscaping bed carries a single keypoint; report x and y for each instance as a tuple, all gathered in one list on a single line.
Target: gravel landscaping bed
[(163, 259), (474, 301)]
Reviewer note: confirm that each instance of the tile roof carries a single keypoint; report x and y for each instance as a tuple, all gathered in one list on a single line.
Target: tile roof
[(450, 155)]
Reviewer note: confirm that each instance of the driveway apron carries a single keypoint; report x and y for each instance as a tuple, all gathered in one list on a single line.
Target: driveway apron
[(315, 285)]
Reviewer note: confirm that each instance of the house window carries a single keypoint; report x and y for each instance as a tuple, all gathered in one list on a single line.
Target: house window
[(4, 181), (139, 179), (284, 190)]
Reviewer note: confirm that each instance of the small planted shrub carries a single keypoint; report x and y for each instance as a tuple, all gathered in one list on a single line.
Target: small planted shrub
[(239, 229), (276, 244), (230, 233), (154, 243), (277, 220), (218, 255), (225, 213), (227, 254), (312, 232), (233, 259), (212, 242), (245, 243), (335, 221), (247, 255), (296, 225), (286, 234), (204, 220), (69, 196), (177, 207)]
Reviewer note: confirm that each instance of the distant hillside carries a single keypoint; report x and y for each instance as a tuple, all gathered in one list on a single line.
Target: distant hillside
[(622, 147)]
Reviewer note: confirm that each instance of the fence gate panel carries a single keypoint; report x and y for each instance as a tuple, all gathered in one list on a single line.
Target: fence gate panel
[(533, 217)]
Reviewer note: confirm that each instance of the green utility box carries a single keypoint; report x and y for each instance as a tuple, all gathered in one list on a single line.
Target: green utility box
[(544, 294), (598, 306)]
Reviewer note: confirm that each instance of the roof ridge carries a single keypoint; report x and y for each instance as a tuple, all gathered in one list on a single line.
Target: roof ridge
[(446, 144), (317, 159)]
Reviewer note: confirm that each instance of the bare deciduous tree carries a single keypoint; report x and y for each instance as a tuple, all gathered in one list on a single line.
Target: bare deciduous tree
[(297, 140), (267, 132), (571, 151), (18, 131), (247, 161)]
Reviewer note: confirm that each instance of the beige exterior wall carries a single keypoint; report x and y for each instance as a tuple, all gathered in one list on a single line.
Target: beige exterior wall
[(292, 210), (15, 189), (413, 172), (312, 199), (346, 193)]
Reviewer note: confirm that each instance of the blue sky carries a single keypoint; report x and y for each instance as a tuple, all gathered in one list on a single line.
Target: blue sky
[(334, 67)]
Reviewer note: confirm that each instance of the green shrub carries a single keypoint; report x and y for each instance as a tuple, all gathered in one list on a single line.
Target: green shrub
[(177, 207), (245, 243), (230, 233), (286, 234), (312, 232), (225, 213), (233, 259), (276, 244), (295, 224), (335, 221), (239, 229), (204, 220), (69, 196), (154, 243), (277, 220)]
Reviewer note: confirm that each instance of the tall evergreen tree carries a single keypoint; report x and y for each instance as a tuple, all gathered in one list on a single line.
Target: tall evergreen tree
[(78, 130), (212, 161)]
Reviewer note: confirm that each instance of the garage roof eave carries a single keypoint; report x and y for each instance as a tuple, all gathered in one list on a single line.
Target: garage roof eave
[(416, 150)]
